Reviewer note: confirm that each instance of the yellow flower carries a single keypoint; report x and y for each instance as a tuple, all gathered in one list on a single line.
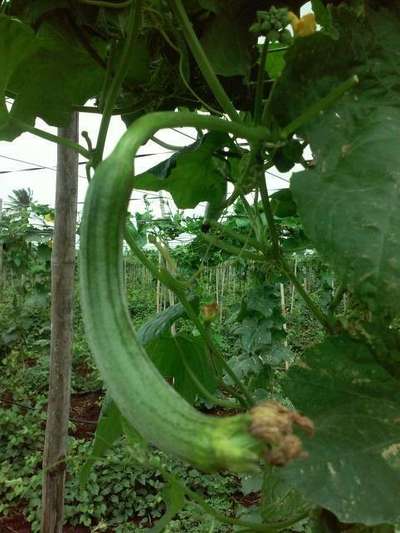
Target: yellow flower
[(304, 26)]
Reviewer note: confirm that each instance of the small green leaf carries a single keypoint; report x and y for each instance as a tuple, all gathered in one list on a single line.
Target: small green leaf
[(163, 321), (174, 497), (109, 429), (171, 354), (282, 204), (191, 176), (280, 502), (255, 334)]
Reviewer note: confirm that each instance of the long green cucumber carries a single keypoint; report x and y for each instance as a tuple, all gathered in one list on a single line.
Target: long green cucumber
[(146, 401)]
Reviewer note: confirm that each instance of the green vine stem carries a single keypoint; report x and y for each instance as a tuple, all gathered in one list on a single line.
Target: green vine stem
[(245, 239), (115, 86), (315, 109), (52, 138), (257, 115), (325, 320), (167, 146), (231, 249), (202, 61)]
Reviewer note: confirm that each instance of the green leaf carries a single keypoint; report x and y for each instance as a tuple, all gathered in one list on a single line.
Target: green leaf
[(353, 468), (323, 17), (58, 75), (139, 65), (211, 5), (226, 42), (173, 355), (174, 497), (191, 176), (280, 502), (251, 483), (17, 42), (255, 334), (111, 425), (282, 204), (109, 429), (349, 203), (160, 324), (262, 299)]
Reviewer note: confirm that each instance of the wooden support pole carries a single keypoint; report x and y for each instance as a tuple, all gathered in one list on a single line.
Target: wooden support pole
[(62, 285)]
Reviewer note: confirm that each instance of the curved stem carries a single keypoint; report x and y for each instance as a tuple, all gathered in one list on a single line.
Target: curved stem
[(203, 62), (50, 137), (192, 91), (115, 87), (167, 146)]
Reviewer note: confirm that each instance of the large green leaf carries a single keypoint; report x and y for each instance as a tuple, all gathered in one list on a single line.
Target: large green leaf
[(227, 42), (58, 75), (353, 468), (191, 176), (349, 201), (17, 41), (350, 206)]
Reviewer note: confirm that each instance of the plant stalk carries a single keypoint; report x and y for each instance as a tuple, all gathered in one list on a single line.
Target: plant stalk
[(257, 114), (52, 138), (277, 252), (203, 61), (115, 87)]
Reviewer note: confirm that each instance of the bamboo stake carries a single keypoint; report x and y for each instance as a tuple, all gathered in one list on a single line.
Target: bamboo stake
[(62, 290)]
